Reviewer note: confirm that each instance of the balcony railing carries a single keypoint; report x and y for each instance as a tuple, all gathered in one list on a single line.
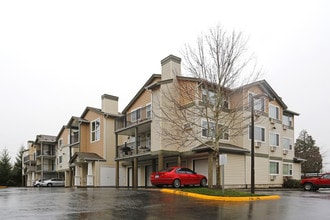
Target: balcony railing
[(45, 168), (29, 158), (129, 149), (46, 153), (133, 118)]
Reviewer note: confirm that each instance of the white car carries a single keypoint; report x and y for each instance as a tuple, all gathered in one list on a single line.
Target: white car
[(37, 183), (52, 182)]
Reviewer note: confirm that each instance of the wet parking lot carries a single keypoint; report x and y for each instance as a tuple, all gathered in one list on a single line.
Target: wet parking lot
[(110, 203)]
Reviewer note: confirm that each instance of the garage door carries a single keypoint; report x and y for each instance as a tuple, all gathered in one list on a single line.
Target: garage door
[(107, 175)]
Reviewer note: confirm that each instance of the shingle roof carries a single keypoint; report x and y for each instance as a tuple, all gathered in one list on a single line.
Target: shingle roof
[(86, 156), (224, 148)]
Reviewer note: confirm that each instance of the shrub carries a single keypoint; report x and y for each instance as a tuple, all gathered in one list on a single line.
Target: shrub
[(291, 183)]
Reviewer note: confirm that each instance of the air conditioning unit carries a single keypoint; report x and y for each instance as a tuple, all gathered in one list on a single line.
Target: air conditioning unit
[(272, 148), (285, 151), (272, 121), (272, 177), (257, 144)]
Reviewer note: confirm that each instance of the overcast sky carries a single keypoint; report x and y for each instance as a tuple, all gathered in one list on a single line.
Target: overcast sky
[(57, 57)]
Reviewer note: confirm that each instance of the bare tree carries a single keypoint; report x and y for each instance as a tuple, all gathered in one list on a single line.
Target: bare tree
[(196, 111)]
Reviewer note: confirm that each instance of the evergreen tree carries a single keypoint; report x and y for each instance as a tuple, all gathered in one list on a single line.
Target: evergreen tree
[(16, 177), (305, 148), (5, 168)]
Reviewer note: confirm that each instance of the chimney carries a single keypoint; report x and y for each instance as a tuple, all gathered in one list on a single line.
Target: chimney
[(171, 67), (109, 104)]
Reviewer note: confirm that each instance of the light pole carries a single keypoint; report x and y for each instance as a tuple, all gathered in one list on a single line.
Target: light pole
[(252, 140)]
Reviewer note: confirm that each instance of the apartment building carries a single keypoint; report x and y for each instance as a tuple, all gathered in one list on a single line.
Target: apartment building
[(143, 145), (39, 160), (86, 146)]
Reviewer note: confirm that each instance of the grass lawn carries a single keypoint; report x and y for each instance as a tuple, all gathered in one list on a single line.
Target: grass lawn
[(218, 192)]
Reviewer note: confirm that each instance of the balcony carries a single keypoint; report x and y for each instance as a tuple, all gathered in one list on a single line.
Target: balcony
[(139, 116), (30, 159), (129, 149), (46, 153), (45, 168)]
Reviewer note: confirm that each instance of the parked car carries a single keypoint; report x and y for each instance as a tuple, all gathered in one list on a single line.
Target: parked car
[(52, 182), (37, 183), (177, 176), (312, 184)]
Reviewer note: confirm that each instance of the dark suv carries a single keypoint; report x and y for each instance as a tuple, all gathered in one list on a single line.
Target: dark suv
[(315, 183)]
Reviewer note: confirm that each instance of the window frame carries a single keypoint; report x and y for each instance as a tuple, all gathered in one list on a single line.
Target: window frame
[(95, 133), (270, 168), (290, 147), (287, 120), (277, 112), (262, 134), (136, 115), (257, 102), (290, 169), (224, 135), (277, 139)]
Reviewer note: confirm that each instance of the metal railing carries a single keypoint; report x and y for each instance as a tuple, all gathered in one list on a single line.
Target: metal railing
[(129, 149), (133, 118)]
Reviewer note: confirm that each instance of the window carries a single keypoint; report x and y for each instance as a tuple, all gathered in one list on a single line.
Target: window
[(259, 104), (274, 139), (273, 168), (287, 143), (60, 159), (287, 120), (60, 142), (95, 130), (74, 136), (210, 98), (208, 130), (287, 169), (148, 111), (259, 133), (136, 115), (148, 141), (274, 112)]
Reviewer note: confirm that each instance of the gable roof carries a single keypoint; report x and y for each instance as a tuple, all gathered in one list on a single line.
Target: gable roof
[(270, 93), (85, 157), (151, 79), (45, 138), (224, 148)]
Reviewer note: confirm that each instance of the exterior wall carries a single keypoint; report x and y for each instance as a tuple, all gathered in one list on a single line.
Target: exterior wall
[(142, 101), (96, 146)]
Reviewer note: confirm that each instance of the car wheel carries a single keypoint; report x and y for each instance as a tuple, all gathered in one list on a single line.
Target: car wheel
[(176, 183), (49, 185), (203, 182), (38, 185), (308, 186)]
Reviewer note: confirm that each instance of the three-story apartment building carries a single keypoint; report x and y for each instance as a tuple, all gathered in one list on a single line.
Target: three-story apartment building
[(39, 159), (145, 146)]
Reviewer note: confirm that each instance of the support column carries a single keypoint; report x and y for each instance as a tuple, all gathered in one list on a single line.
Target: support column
[(117, 174), (179, 160), (160, 161), (135, 171), (210, 170), (90, 176), (77, 176)]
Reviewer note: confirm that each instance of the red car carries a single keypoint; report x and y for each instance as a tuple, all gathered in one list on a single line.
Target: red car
[(177, 176), (315, 183)]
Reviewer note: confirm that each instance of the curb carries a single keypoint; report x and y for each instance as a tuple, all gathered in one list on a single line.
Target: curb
[(222, 198)]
